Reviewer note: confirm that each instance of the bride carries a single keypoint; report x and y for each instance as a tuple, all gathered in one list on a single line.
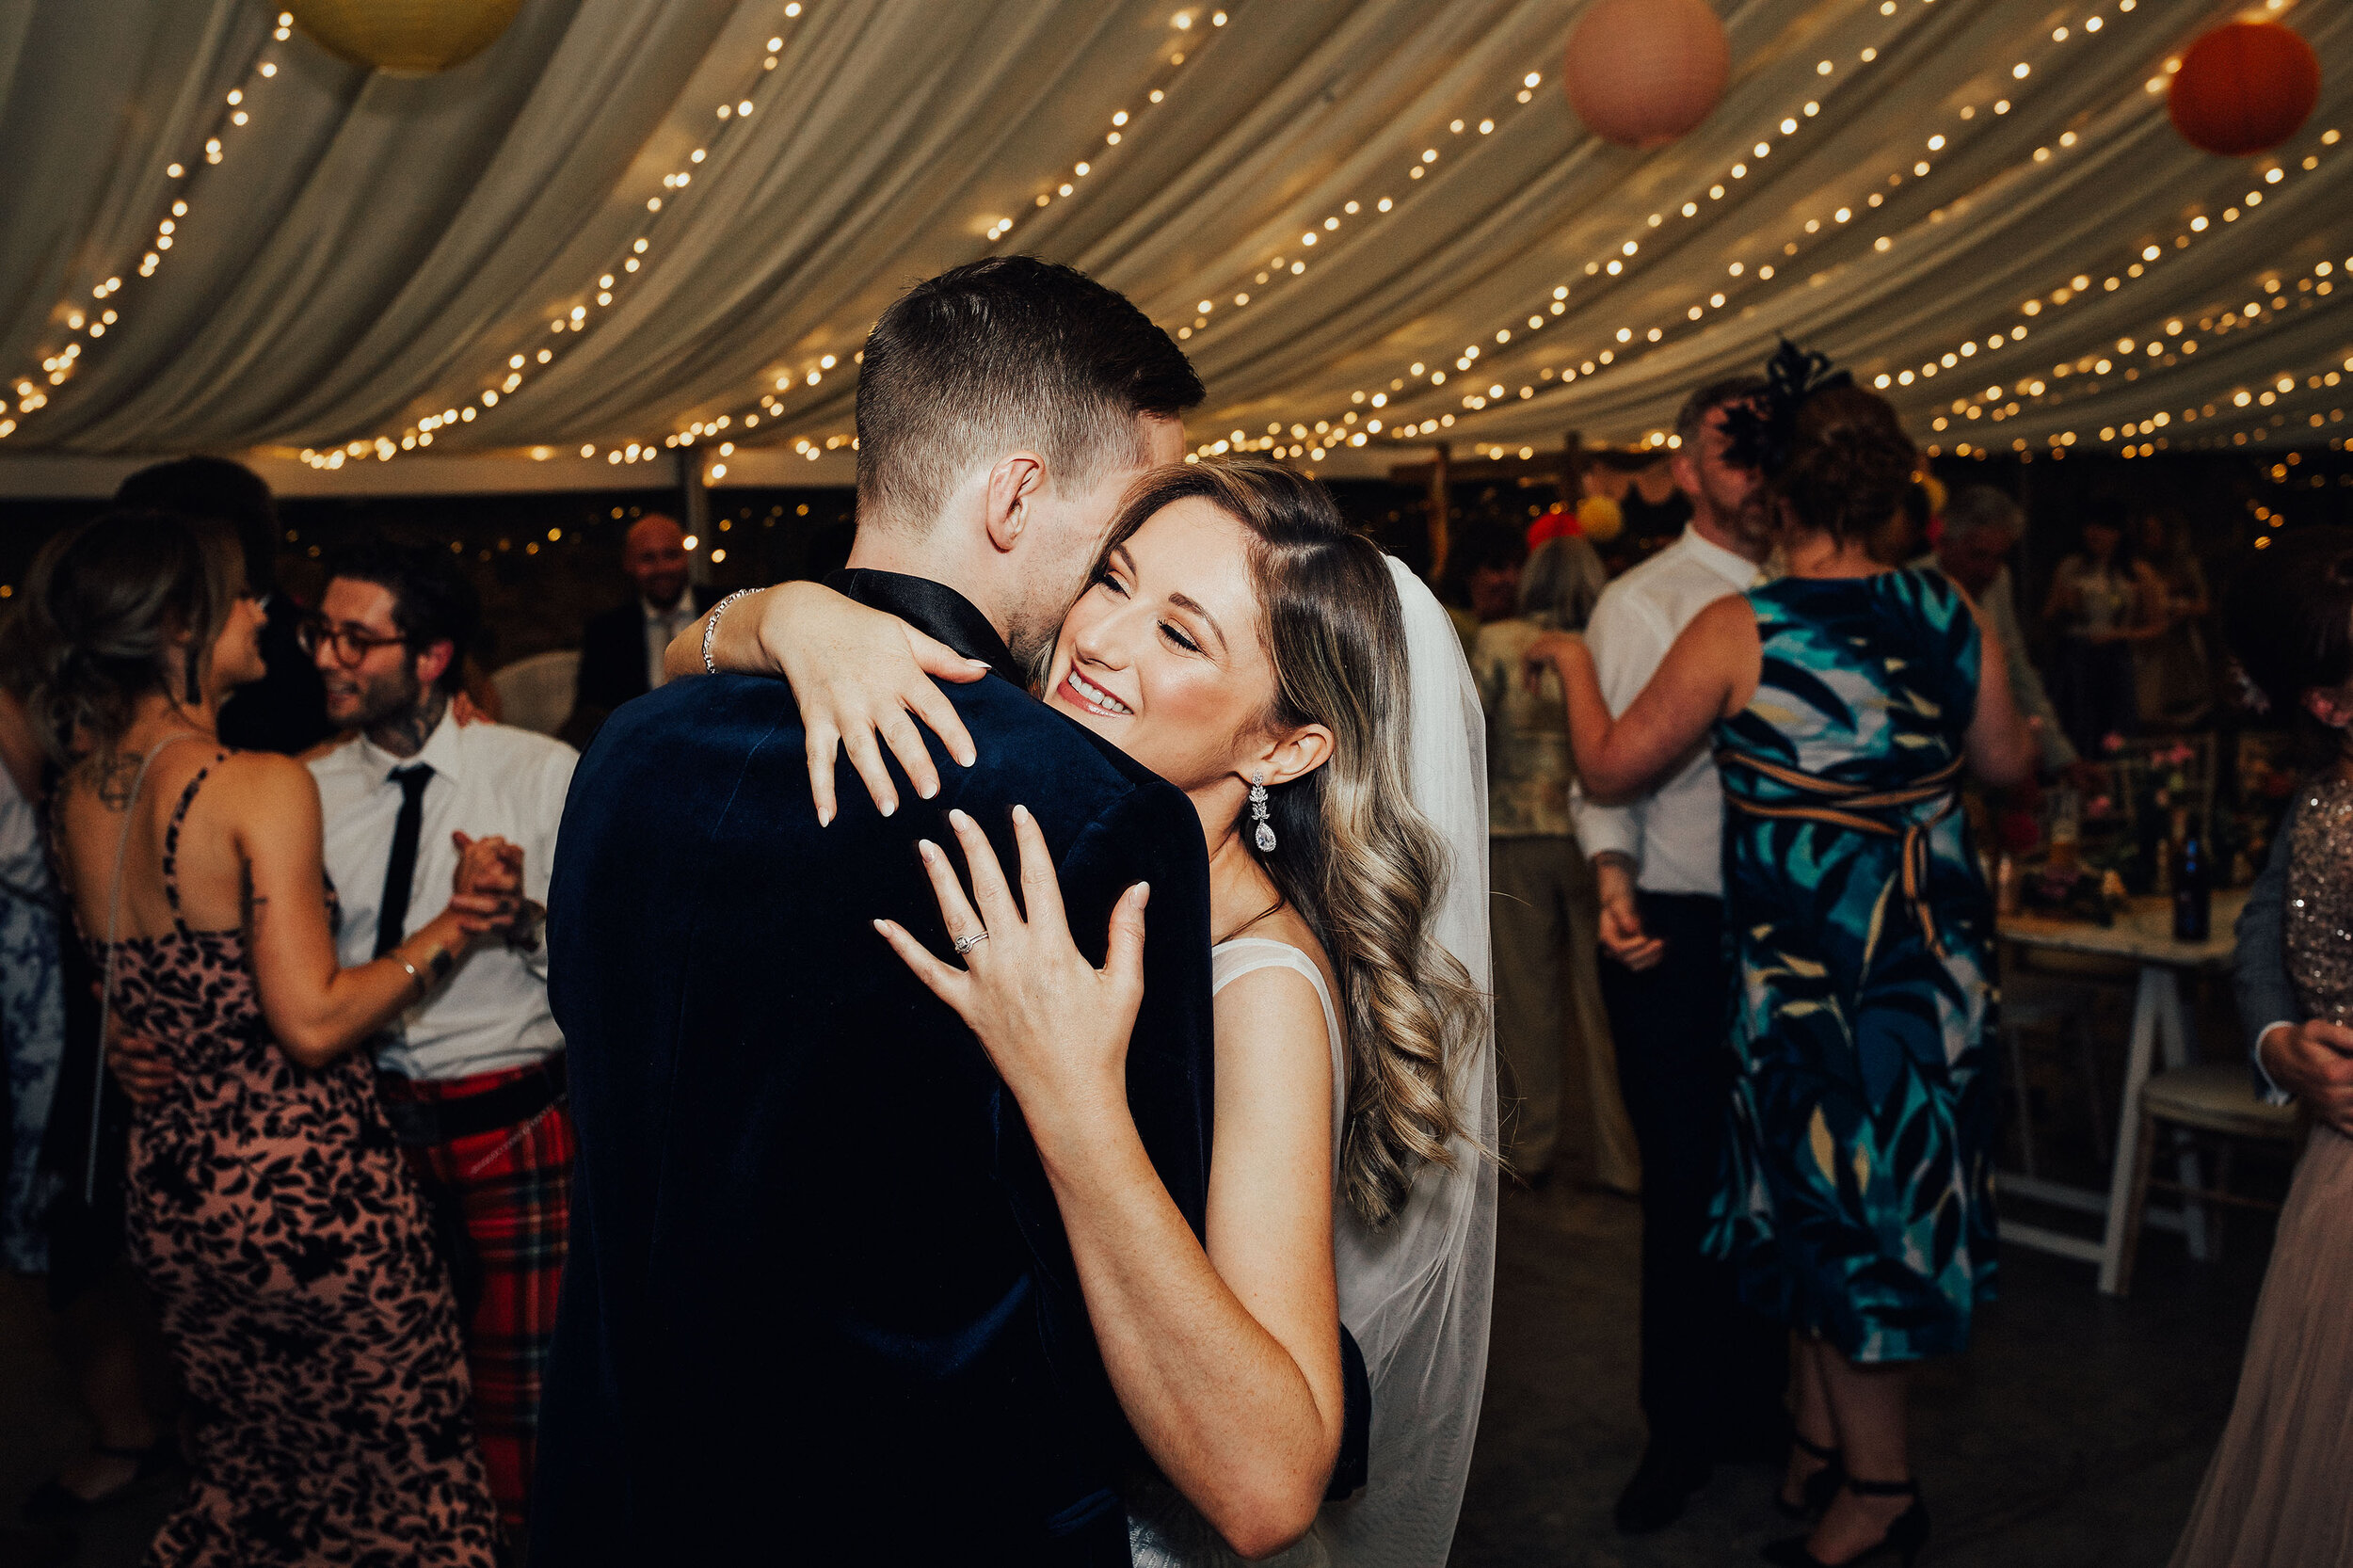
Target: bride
[(1311, 699)]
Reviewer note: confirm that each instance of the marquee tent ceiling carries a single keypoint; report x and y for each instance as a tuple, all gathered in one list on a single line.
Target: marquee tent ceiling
[(1980, 199)]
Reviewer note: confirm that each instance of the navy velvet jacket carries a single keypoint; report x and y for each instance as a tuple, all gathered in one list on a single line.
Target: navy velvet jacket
[(819, 1305)]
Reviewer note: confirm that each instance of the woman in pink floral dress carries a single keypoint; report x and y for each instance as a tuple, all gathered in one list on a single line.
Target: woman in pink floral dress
[(268, 1206)]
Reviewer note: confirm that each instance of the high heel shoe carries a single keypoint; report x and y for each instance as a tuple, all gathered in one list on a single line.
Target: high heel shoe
[(1820, 1487), (1906, 1533)]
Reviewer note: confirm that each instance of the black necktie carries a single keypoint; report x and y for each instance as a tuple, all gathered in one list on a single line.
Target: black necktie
[(392, 917)]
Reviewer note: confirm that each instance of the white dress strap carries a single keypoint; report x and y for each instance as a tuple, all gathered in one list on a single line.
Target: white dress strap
[(1230, 960)]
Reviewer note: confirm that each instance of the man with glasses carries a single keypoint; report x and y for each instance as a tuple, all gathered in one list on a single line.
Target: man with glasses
[(473, 1075)]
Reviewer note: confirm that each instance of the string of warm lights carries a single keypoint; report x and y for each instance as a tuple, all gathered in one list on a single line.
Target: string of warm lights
[(2174, 344), (1123, 123), (1279, 269), (2078, 286), (2263, 393), (2081, 286), (1614, 262), (2282, 472), (1058, 188), (1745, 287), (772, 405), (568, 324), (1500, 369), (86, 323)]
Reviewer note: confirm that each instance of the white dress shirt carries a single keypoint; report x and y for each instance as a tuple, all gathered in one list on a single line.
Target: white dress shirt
[(488, 780), (662, 628), (1673, 835)]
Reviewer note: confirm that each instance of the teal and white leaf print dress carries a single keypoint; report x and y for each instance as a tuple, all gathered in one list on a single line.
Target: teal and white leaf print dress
[(1858, 1202)]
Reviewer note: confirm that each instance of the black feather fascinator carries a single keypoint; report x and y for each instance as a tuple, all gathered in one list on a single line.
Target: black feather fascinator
[(1761, 432)]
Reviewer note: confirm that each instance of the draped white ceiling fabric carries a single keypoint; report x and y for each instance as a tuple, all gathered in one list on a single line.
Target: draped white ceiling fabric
[(1334, 201)]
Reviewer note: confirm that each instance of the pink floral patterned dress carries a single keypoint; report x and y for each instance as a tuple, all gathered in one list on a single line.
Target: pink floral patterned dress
[(292, 1259)]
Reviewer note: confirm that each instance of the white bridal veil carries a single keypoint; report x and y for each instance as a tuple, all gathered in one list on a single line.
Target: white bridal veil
[(1416, 1295)]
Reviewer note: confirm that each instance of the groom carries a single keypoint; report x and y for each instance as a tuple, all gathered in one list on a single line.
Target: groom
[(820, 1307)]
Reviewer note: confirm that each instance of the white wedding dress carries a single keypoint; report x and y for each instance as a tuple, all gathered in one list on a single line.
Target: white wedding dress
[(1415, 1294)]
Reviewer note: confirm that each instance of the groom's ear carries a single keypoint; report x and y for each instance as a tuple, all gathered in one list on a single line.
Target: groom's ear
[(1296, 755), (1014, 487)]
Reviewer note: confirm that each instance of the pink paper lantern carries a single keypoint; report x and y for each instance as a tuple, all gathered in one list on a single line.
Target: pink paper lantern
[(1641, 73)]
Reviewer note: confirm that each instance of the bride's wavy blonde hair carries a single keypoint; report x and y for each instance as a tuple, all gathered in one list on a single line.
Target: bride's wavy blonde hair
[(1353, 855)]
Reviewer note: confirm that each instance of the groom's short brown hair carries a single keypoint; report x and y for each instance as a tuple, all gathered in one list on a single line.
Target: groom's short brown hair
[(1001, 354)]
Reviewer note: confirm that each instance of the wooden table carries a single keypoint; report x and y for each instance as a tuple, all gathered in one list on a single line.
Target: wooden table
[(2144, 933)]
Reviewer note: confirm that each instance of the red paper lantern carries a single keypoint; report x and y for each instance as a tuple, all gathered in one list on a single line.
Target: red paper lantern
[(1641, 73), (2245, 87)]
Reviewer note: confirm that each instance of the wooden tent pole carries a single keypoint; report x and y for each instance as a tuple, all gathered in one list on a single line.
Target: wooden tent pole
[(1571, 470)]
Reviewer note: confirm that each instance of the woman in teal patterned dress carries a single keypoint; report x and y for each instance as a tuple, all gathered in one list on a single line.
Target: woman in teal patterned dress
[(1844, 702)]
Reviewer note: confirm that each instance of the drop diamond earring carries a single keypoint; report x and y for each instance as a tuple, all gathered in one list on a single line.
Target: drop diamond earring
[(1265, 834)]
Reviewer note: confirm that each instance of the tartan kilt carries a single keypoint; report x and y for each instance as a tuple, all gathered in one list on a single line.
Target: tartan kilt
[(511, 1189)]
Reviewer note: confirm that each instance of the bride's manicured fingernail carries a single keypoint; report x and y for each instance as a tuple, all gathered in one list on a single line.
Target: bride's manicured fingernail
[(957, 819), (928, 850), (1021, 813)]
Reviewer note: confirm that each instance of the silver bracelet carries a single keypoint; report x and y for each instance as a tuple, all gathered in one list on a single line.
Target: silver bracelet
[(711, 628), (415, 977)]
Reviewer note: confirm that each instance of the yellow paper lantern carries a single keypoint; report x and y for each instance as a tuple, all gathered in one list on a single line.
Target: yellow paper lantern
[(1599, 519), (1641, 73), (404, 38)]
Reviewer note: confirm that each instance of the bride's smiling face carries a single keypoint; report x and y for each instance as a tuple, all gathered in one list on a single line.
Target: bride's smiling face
[(1162, 655)]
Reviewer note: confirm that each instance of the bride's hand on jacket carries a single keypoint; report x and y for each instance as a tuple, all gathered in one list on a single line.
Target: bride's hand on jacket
[(1055, 1026), (862, 678)]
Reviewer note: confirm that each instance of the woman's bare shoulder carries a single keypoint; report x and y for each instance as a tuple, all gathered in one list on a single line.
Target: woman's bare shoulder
[(1279, 994), (1733, 616), (260, 788)]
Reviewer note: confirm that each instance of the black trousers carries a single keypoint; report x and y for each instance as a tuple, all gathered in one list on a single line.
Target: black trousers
[(1714, 1373)]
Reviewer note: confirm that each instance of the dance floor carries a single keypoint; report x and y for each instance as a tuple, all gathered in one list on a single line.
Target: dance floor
[(2074, 1434)]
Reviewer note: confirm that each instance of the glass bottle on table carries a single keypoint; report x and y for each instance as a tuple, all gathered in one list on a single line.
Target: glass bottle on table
[(2066, 831), (2193, 882)]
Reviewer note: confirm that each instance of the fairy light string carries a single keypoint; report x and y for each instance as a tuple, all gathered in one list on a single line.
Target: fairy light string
[(1564, 328), (1631, 342), (87, 323), (589, 305)]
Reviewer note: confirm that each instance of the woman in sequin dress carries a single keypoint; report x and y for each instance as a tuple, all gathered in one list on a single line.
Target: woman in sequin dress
[(2279, 1492)]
